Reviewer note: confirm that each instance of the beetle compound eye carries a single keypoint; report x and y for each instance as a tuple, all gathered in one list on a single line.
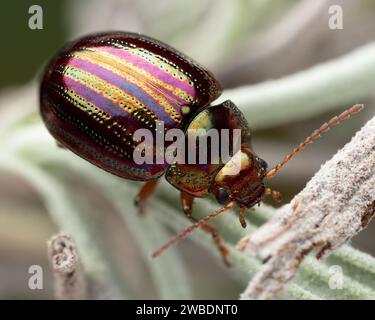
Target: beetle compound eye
[(262, 165), (222, 196)]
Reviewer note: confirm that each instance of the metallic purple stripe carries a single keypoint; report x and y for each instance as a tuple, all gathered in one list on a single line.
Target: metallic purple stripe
[(100, 101), (125, 86), (141, 63)]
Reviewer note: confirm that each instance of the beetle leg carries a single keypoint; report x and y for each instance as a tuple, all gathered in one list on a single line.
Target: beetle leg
[(242, 217), (275, 194), (146, 191), (187, 205)]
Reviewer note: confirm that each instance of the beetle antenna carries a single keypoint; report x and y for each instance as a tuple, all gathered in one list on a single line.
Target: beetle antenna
[(189, 229), (315, 135)]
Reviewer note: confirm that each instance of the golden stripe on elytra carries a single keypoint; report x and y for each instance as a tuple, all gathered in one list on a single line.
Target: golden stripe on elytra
[(82, 103), (156, 61), (85, 105), (114, 148), (132, 76), (127, 102), (135, 80), (117, 129), (129, 68)]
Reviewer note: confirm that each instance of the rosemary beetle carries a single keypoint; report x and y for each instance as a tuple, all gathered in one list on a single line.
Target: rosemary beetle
[(98, 91)]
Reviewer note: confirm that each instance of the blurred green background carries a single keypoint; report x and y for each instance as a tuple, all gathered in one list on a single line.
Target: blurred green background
[(24, 51)]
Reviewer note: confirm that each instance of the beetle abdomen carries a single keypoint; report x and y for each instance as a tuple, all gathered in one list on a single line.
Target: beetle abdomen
[(99, 90)]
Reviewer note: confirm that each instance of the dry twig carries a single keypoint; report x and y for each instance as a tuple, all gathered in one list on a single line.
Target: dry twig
[(336, 204), (67, 269)]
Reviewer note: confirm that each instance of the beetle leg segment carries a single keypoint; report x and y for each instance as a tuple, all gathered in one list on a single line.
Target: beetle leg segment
[(146, 191), (275, 194), (242, 217), (187, 202), (187, 205)]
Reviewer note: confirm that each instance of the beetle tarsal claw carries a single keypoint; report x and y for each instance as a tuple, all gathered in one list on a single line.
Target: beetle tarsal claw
[(140, 205), (242, 217)]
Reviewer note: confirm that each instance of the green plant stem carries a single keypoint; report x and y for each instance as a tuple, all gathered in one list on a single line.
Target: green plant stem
[(243, 266), (319, 89), (169, 274), (310, 270), (227, 224), (360, 266), (145, 231), (117, 190), (65, 213)]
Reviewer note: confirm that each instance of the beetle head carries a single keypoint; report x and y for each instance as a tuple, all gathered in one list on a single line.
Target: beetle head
[(245, 186)]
